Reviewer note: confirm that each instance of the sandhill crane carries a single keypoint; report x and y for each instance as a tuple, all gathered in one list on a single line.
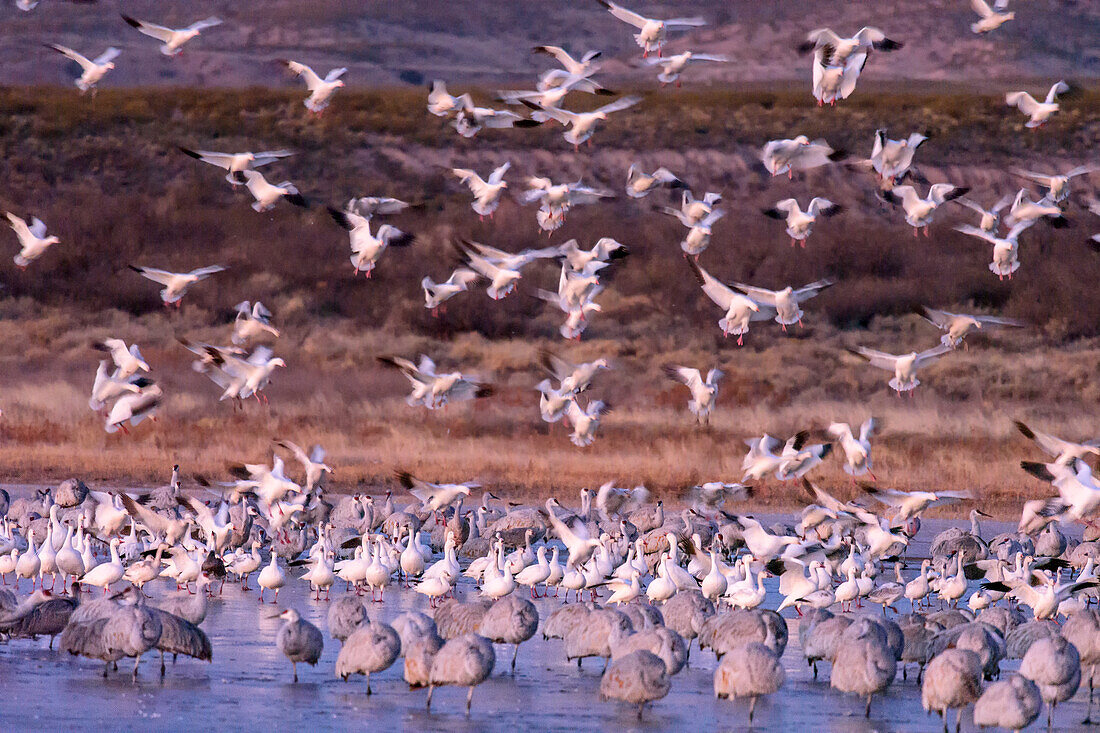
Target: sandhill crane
[(953, 679), (373, 647), (299, 640), (637, 678), (345, 615), (750, 671), (465, 661), (41, 614), (510, 620), (1054, 665), (864, 663), (659, 640), (1082, 629), (1013, 703)]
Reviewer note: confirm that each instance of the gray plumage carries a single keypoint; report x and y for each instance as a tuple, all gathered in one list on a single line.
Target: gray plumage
[(510, 620), (820, 638), (112, 631), (70, 493), (180, 636), (864, 663), (596, 635), (1013, 703), (727, 631), (643, 616), (636, 678), (373, 647), (750, 671), (563, 618), (1054, 665), (299, 640), (413, 626), (953, 680), (665, 643), (465, 661), (685, 613), (48, 617), (1021, 638), (419, 656), (1082, 629), (454, 618), (345, 615)]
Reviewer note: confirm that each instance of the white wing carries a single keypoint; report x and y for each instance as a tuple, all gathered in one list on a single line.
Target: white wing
[(66, 51), (110, 54), (627, 16), (309, 76), (151, 29), (336, 74)]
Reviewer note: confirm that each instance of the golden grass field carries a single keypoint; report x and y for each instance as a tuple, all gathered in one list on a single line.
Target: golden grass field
[(105, 175)]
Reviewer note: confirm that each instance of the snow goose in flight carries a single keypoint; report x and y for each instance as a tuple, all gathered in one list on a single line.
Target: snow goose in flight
[(440, 102), (1076, 486), (252, 321), (1026, 211), (892, 159), (470, 119), (435, 389), (991, 217), (605, 250), (173, 39), (799, 153), (486, 192), (957, 325), (576, 312), (93, 71), (367, 248), (571, 68), (739, 309), (1057, 184), (513, 261), (640, 184), (1005, 249), (133, 408), (236, 162), (904, 366), (552, 97), (127, 360), (267, 195), (107, 386), (436, 294), (697, 209), (800, 460), (552, 402), (175, 284), (762, 458), (320, 90), (372, 206), (435, 497), (581, 125), (990, 19), (574, 378), (842, 49), (1065, 452), (585, 420), (704, 392), (919, 212), (555, 199), (786, 302), (857, 451), (800, 224), (651, 31), (502, 280), (909, 504), (33, 241), (239, 375), (1039, 113), (698, 234), (833, 80), (673, 66)]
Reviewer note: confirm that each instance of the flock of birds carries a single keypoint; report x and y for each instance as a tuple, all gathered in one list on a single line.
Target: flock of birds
[(701, 573)]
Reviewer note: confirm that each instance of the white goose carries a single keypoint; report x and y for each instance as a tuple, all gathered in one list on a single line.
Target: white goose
[(33, 241), (904, 366), (367, 248), (469, 119), (237, 162), (673, 66), (252, 321), (991, 217), (571, 67), (436, 294), (172, 38), (320, 90), (580, 125), (104, 574), (841, 49), (440, 102), (266, 194), (1038, 113), (134, 407), (175, 284), (651, 31), (857, 451), (789, 155), (1005, 249), (93, 71), (957, 325), (697, 238), (486, 192), (786, 302), (800, 224), (704, 393), (640, 184), (892, 159), (502, 280), (586, 420), (739, 309), (128, 361), (272, 577), (919, 212), (1057, 184), (989, 19)]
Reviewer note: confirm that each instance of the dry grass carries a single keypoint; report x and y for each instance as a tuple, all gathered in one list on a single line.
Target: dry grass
[(105, 175)]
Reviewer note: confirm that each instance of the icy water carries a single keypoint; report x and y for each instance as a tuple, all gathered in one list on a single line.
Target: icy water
[(248, 685)]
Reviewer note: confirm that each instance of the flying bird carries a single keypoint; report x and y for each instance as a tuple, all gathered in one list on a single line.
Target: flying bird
[(786, 302), (957, 325), (486, 192), (904, 366), (172, 39), (252, 321), (673, 66), (367, 248), (235, 163), (33, 241), (436, 294), (266, 194), (580, 125), (1057, 184), (919, 212), (1038, 113), (739, 309), (704, 392), (1005, 249), (800, 224), (991, 217), (320, 90), (93, 71), (651, 31), (640, 184), (799, 153), (175, 284), (857, 451), (989, 18)]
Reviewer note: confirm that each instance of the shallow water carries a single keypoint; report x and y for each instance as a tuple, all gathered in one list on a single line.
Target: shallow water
[(249, 684)]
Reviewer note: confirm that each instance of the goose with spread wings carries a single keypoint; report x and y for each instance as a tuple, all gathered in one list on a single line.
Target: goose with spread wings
[(652, 32), (704, 392), (92, 71), (584, 68), (172, 39), (673, 66), (367, 248), (857, 450), (235, 163), (176, 284), (320, 90), (1005, 249), (33, 240), (739, 309), (266, 194), (800, 224), (1038, 113), (919, 212), (991, 217), (1065, 452), (486, 192), (989, 19), (1057, 184), (796, 154), (957, 325), (434, 389), (640, 184), (469, 119), (904, 366), (580, 125), (786, 302)]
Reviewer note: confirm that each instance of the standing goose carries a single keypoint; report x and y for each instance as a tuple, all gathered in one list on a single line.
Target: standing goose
[(465, 661), (104, 574), (320, 90), (373, 647), (272, 577), (637, 678), (92, 71), (299, 640), (173, 39)]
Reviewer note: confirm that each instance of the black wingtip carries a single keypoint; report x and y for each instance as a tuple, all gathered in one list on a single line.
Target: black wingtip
[(190, 153), (838, 155), (130, 21), (1024, 429), (773, 213), (526, 123), (887, 44), (135, 268), (806, 46), (1038, 470), (297, 199)]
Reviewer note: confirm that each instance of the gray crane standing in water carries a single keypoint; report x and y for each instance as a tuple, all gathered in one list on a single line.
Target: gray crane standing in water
[(299, 640)]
